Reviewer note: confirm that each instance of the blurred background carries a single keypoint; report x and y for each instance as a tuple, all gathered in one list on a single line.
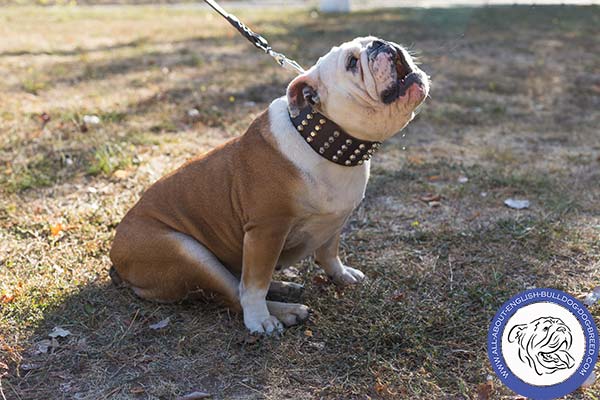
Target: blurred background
[(98, 99)]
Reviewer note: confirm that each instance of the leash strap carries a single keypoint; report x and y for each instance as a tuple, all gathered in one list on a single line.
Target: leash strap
[(256, 39)]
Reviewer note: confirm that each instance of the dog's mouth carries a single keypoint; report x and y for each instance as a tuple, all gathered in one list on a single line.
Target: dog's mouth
[(557, 357), (406, 76)]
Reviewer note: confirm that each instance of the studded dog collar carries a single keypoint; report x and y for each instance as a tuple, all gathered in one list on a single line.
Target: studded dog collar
[(330, 141)]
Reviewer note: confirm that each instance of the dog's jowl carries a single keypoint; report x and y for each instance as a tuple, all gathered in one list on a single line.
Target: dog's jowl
[(280, 192)]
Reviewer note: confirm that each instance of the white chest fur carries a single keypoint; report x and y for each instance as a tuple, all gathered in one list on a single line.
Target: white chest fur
[(331, 189), (330, 193)]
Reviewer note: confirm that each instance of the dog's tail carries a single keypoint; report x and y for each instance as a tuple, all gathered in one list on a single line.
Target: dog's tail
[(114, 276)]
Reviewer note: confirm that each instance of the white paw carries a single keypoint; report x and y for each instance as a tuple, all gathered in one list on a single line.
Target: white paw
[(288, 313), (348, 276), (267, 325)]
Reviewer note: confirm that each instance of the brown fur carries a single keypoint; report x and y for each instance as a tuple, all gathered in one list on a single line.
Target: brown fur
[(230, 201)]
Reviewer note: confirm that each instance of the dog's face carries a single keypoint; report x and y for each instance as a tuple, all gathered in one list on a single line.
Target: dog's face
[(544, 344), (370, 87)]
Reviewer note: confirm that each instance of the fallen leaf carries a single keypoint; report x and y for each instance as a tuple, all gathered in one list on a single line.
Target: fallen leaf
[(161, 324), (308, 333), (137, 390), (434, 204), (56, 229), (7, 297), (193, 113), (398, 295), (485, 390), (195, 396), (251, 338), (383, 388), (592, 297), (43, 346), (59, 332), (29, 367), (290, 272), (319, 280), (516, 204), (317, 345), (431, 197), (434, 178), (91, 119), (416, 160), (120, 174)]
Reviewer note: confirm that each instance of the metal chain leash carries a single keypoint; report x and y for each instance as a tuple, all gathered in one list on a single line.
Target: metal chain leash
[(256, 39)]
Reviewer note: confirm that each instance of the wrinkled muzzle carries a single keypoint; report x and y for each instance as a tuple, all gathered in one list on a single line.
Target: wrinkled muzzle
[(553, 352), (395, 72)]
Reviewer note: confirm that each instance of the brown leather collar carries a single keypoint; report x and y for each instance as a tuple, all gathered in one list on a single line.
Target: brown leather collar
[(330, 141)]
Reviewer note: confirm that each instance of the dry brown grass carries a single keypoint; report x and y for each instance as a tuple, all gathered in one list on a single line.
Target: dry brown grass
[(514, 108)]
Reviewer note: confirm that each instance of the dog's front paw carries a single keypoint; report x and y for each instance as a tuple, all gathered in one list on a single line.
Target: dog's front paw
[(289, 313), (267, 325), (348, 276)]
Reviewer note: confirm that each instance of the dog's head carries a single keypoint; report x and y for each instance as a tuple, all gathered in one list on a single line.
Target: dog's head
[(544, 344), (369, 86)]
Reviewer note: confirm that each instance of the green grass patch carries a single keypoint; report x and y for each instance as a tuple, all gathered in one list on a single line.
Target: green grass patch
[(110, 157)]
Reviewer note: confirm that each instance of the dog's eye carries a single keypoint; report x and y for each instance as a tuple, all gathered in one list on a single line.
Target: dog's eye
[(351, 63)]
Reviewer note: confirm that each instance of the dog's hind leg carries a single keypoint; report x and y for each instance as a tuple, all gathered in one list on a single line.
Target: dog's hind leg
[(164, 265)]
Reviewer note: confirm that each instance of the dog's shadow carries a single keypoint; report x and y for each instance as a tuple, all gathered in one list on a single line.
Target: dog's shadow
[(126, 345)]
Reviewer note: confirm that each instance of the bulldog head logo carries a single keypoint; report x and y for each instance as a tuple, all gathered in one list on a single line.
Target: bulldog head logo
[(544, 344)]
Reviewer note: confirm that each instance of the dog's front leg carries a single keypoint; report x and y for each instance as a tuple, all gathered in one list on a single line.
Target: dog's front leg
[(262, 247), (327, 257)]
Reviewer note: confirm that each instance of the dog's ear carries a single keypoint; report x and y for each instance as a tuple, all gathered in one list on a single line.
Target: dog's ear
[(302, 91), (516, 333)]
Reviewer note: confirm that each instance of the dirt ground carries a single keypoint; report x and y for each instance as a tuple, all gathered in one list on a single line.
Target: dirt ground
[(513, 113)]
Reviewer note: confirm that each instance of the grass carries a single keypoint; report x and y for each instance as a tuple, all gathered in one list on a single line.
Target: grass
[(507, 114)]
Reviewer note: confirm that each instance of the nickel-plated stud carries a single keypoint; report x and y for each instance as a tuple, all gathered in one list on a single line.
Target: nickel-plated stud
[(344, 147), (366, 157), (304, 122), (362, 146), (347, 162), (348, 142), (309, 116), (336, 134), (313, 134), (300, 128), (360, 162), (339, 152), (321, 150), (322, 121), (317, 128), (326, 145), (334, 158), (309, 139), (352, 157), (331, 139), (357, 151), (370, 151)]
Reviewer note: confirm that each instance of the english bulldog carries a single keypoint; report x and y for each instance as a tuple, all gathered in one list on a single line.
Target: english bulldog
[(544, 344), (280, 192)]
